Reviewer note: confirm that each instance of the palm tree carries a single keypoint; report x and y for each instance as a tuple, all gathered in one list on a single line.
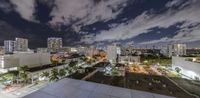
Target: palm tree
[(23, 73), (73, 63), (24, 68), (177, 70), (62, 72), (84, 59), (69, 70), (45, 74), (54, 74)]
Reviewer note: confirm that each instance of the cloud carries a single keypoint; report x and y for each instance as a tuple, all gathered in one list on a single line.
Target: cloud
[(25, 8), (147, 20), (5, 6), (174, 3), (85, 12), (184, 35), (77, 13)]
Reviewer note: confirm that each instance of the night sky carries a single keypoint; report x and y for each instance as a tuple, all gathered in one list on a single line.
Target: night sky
[(100, 22)]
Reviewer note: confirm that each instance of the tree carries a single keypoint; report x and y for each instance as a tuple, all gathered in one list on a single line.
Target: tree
[(24, 68), (23, 73), (84, 59), (73, 63), (54, 74), (45, 74), (177, 69), (115, 71), (54, 59), (63, 61), (62, 72), (69, 70), (9, 76)]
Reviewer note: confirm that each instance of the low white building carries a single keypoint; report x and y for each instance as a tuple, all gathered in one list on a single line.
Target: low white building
[(130, 59), (189, 69), (20, 59), (42, 50)]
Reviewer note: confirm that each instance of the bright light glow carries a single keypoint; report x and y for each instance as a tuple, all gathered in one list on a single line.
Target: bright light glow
[(130, 63), (2, 62), (3, 71), (145, 61), (41, 78), (13, 68), (187, 73), (74, 50), (191, 74), (194, 59)]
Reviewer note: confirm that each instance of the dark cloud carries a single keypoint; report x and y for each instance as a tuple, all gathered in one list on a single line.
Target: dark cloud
[(43, 9), (100, 21)]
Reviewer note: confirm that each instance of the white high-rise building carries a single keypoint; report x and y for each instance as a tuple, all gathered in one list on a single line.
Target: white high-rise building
[(54, 44), (112, 52), (179, 49), (9, 46), (21, 44), (174, 50), (91, 51)]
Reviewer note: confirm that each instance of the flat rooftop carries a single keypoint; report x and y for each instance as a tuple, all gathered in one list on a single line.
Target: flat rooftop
[(70, 88), (42, 67)]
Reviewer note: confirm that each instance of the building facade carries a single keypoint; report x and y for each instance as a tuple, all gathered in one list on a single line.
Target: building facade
[(113, 52), (179, 49), (21, 44), (42, 50), (174, 50), (54, 44), (9, 46), (166, 50), (130, 59), (20, 59)]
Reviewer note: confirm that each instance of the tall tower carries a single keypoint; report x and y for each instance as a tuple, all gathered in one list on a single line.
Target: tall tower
[(9, 46), (54, 44), (21, 44)]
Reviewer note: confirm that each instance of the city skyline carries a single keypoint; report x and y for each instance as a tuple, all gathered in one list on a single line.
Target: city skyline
[(146, 22), (99, 48)]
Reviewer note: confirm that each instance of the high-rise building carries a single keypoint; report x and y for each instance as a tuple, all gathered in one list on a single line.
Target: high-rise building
[(113, 51), (91, 51), (21, 44), (54, 44), (9, 46), (128, 50), (166, 50), (179, 49), (174, 50)]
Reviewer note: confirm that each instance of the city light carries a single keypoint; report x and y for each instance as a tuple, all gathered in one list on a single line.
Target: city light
[(99, 49)]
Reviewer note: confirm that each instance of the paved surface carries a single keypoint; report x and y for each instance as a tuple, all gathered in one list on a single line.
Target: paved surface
[(70, 88), (20, 92)]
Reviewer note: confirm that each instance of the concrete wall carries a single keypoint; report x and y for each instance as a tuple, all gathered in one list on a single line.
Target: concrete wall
[(188, 68), (20, 59)]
